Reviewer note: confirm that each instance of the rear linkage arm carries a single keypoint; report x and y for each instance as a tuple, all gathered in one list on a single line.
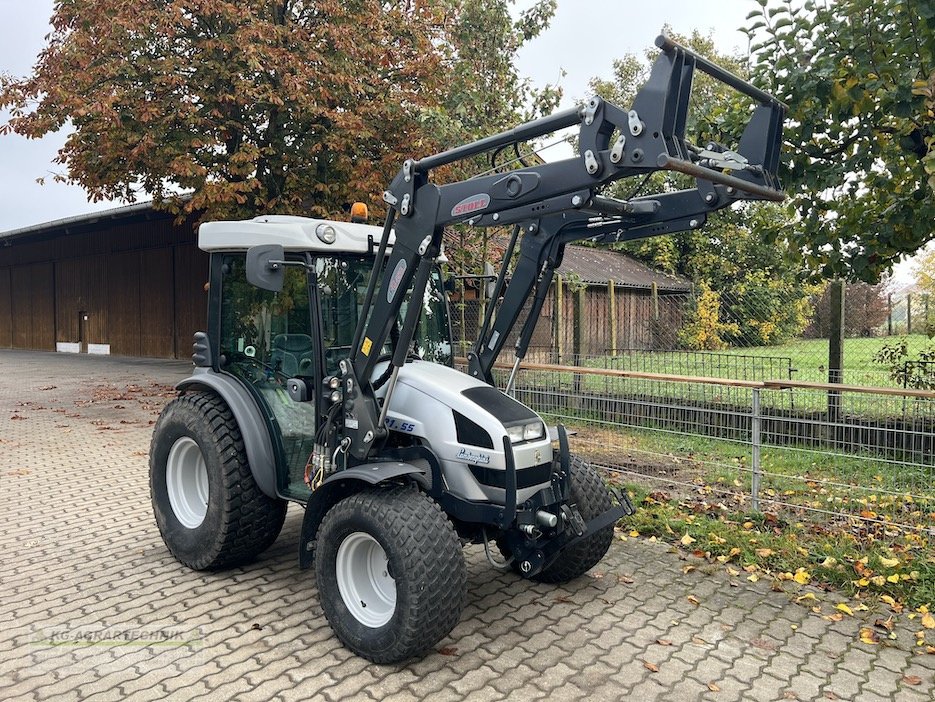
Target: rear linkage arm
[(553, 204)]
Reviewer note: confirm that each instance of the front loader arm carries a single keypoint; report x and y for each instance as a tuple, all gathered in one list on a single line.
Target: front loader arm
[(553, 204)]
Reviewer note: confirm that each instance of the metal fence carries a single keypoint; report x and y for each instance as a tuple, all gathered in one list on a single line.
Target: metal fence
[(825, 452), (725, 336)]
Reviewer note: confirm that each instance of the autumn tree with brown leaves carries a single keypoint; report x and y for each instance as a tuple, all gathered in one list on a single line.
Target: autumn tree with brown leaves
[(255, 106)]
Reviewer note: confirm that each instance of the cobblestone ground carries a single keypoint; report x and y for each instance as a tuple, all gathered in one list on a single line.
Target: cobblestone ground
[(81, 554)]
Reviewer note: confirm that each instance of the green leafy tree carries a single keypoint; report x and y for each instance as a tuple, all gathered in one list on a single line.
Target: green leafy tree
[(858, 76), (293, 106), (762, 298)]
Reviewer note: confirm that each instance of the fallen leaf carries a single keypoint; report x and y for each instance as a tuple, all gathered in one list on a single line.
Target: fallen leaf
[(698, 641), (448, 650), (753, 578), (928, 621), (764, 552), (686, 540), (686, 569), (884, 623), (830, 696), (889, 562), (733, 571), (693, 600), (844, 608), (763, 645), (651, 667), (625, 579), (801, 576), (912, 679), (806, 596), (663, 642), (869, 636), (713, 687)]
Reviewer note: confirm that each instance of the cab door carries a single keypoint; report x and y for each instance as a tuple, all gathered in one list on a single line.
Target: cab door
[(265, 339)]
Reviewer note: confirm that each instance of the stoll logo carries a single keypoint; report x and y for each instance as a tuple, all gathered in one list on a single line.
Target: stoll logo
[(473, 456), (471, 204)]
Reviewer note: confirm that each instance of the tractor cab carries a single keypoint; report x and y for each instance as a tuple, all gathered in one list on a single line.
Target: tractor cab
[(265, 338)]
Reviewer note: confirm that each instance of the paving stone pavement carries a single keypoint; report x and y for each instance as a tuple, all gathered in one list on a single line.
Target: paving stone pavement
[(80, 557)]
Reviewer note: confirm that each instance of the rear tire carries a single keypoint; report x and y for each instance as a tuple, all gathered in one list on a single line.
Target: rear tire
[(391, 574), (592, 498), (208, 507)]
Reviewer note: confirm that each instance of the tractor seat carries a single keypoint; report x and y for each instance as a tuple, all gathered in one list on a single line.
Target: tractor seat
[(292, 353)]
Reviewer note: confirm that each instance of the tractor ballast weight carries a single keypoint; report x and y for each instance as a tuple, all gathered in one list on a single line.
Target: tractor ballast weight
[(410, 459)]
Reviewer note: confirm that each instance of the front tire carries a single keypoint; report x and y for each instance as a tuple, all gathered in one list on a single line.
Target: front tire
[(208, 507), (391, 574), (592, 497)]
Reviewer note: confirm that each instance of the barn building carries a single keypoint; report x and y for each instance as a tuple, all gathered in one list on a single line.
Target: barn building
[(126, 281)]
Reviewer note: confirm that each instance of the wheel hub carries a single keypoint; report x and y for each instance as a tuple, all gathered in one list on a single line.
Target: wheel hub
[(187, 482), (365, 581)]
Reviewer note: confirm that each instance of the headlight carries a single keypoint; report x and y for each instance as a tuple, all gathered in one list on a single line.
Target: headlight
[(526, 432), (326, 233)]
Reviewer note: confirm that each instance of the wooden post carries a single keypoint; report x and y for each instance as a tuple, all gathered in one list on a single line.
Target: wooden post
[(558, 319), (889, 315), (836, 351), (908, 313), (925, 318), (655, 294), (578, 342), (612, 295)]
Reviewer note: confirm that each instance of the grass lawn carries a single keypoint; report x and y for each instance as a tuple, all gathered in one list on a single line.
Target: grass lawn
[(807, 357), (851, 522)]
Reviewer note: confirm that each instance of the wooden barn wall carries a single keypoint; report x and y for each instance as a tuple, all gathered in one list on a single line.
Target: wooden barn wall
[(6, 309), (139, 284), (33, 298)]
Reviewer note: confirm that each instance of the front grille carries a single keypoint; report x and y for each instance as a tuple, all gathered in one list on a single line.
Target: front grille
[(525, 477)]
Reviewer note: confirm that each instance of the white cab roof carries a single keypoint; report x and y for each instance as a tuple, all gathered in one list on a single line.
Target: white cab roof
[(293, 233)]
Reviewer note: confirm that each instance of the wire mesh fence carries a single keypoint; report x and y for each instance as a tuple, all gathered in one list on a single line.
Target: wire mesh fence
[(825, 454), (883, 338)]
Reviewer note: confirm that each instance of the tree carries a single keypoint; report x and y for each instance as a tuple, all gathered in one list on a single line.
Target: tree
[(859, 162), (264, 106), (756, 275)]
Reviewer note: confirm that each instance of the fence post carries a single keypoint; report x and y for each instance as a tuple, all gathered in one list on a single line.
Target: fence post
[(836, 349), (908, 314), (612, 296), (558, 319), (755, 451), (577, 322), (889, 316)]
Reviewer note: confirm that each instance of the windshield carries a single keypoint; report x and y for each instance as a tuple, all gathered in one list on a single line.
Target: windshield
[(342, 286)]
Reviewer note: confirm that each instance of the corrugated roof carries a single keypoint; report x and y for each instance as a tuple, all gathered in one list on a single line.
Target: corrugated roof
[(599, 266)]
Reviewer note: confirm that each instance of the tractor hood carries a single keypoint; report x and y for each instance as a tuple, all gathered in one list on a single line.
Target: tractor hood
[(464, 421)]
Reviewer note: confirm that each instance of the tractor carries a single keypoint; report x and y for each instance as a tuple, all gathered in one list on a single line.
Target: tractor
[(326, 375)]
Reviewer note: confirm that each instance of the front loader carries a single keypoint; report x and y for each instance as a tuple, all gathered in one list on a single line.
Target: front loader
[(326, 374)]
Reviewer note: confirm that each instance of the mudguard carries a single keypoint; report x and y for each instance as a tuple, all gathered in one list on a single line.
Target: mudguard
[(344, 484), (250, 420)]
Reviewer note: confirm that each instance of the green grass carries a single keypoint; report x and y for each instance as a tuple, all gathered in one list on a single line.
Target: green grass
[(808, 358), (817, 530)]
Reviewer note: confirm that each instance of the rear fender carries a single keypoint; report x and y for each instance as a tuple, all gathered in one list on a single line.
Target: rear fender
[(345, 484), (250, 421)]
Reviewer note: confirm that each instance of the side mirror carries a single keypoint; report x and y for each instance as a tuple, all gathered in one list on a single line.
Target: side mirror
[(265, 267)]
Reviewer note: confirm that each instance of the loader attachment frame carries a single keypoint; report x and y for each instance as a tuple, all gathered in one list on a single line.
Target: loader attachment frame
[(552, 204)]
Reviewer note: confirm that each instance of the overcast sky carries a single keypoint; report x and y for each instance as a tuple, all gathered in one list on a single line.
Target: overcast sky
[(584, 39)]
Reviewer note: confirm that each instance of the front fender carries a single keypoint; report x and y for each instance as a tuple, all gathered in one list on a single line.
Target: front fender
[(344, 484), (250, 420)]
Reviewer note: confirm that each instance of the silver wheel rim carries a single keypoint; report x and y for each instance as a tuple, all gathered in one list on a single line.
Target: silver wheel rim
[(364, 580), (187, 482)]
